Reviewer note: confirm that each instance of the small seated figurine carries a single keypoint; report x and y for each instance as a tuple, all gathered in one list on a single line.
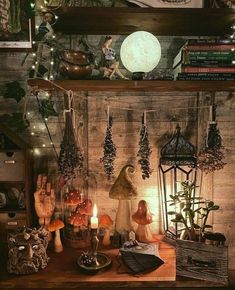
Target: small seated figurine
[(111, 63), (27, 251), (143, 218)]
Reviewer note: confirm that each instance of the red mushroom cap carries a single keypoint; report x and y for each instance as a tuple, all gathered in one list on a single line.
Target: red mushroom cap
[(78, 220), (105, 221), (85, 207), (72, 197), (55, 225)]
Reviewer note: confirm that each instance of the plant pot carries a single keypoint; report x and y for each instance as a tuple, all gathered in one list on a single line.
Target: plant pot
[(201, 261)]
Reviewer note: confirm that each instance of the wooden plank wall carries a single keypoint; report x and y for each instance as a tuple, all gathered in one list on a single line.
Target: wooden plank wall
[(220, 186), (126, 128)]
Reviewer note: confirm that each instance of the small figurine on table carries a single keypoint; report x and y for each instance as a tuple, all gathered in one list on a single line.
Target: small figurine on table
[(44, 201), (111, 63), (143, 218)]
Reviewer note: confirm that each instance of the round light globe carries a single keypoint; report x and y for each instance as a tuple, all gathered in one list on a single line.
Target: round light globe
[(140, 52)]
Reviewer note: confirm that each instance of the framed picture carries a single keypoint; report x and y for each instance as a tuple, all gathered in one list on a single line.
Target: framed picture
[(15, 24), (169, 3)]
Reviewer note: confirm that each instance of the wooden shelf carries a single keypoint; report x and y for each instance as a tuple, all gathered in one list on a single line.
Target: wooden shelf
[(126, 85), (161, 21), (12, 210)]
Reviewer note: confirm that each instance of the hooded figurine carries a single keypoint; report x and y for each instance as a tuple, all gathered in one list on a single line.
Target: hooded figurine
[(123, 190), (143, 218)]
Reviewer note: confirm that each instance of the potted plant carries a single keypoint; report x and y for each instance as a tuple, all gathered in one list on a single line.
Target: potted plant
[(192, 212), (194, 256)]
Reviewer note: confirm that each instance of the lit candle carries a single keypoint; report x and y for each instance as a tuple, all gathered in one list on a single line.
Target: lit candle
[(94, 218)]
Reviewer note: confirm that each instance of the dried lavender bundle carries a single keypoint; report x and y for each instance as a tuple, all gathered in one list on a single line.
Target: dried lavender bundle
[(70, 156), (211, 157), (144, 152), (109, 150), (210, 160)]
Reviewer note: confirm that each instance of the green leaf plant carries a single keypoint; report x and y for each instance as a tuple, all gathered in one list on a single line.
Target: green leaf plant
[(191, 211)]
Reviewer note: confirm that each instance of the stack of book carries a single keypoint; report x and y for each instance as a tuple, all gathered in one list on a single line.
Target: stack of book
[(206, 59)]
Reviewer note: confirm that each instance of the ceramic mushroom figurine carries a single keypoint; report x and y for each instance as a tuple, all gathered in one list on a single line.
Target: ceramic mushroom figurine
[(105, 222), (55, 226), (123, 190), (143, 218), (85, 207), (71, 200), (78, 221)]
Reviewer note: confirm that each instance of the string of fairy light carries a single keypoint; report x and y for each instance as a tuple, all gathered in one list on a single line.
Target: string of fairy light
[(41, 10)]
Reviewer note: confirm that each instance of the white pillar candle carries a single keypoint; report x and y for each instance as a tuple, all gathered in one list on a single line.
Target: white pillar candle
[(94, 218)]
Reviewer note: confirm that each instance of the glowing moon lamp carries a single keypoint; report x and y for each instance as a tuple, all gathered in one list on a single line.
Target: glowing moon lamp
[(140, 53)]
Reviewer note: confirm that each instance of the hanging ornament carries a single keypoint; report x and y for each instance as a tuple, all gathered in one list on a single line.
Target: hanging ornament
[(211, 157), (109, 149), (70, 156), (46, 108), (144, 150)]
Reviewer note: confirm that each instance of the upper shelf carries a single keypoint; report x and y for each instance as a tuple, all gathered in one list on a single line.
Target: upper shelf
[(160, 21), (123, 85)]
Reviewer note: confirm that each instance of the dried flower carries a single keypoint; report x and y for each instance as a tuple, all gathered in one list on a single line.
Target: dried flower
[(144, 152), (70, 155), (211, 157)]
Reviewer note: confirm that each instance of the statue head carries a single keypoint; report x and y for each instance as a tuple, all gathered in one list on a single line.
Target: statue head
[(27, 251)]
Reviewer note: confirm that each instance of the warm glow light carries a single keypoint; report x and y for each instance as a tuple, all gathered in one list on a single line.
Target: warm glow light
[(140, 52), (95, 211), (94, 218), (36, 151)]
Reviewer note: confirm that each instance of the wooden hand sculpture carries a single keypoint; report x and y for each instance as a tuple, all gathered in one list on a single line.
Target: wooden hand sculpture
[(44, 200)]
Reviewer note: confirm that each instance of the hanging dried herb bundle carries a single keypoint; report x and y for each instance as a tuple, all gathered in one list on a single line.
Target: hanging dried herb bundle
[(210, 160), (70, 156), (144, 151), (109, 150), (211, 157)]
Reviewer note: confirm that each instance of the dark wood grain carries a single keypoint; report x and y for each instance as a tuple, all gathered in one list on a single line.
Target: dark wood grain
[(161, 21), (123, 85), (62, 272)]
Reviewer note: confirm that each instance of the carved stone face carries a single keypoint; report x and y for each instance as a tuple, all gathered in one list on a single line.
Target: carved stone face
[(27, 251)]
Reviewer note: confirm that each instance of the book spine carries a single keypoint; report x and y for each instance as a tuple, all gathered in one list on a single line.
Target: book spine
[(210, 63), (211, 41), (209, 47), (198, 69), (211, 54), (225, 75), (205, 78)]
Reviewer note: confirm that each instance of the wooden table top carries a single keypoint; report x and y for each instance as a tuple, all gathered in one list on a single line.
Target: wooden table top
[(62, 272)]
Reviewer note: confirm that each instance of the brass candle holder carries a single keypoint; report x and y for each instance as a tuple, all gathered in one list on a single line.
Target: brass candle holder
[(94, 247), (93, 261)]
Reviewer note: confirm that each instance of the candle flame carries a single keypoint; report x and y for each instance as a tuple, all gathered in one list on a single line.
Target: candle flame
[(95, 211)]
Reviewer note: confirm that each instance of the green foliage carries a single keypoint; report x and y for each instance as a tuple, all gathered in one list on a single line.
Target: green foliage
[(16, 121), (189, 208), (46, 108), (14, 91)]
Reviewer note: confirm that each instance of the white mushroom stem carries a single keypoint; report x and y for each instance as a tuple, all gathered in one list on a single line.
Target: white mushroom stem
[(58, 247), (123, 216), (106, 239)]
